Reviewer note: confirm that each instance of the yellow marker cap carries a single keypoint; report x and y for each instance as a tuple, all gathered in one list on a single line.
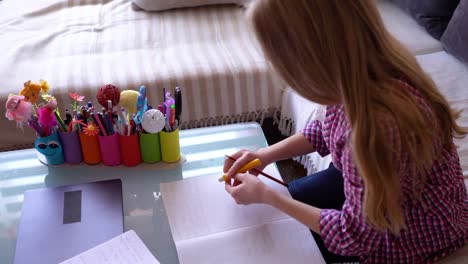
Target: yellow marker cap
[(254, 163)]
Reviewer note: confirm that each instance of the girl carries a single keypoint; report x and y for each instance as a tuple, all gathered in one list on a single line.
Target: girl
[(395, 191)]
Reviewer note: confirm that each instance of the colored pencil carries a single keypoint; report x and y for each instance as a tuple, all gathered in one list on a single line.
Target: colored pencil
[(262, 173)]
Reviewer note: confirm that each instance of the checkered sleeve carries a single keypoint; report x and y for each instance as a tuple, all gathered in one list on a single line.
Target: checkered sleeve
[(313, 133), (346, 232)]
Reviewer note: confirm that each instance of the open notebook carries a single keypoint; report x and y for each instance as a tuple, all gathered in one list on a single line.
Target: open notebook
[(209, 227)]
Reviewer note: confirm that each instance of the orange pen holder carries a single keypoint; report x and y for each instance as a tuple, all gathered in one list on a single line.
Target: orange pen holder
[(90, 149)]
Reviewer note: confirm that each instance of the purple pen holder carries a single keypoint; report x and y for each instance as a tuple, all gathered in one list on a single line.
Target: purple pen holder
[(110, 150), (71, 147)]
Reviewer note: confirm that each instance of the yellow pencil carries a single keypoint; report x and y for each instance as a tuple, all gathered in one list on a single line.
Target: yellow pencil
[(254, 163)]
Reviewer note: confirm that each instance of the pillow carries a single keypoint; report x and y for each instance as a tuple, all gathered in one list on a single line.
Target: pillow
[(160, 5), (434, 15), (455, 38)]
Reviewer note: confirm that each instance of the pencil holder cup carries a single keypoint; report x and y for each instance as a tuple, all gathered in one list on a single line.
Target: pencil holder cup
[(150, 147), (71, 147), (110, 150), (90, 149), (170, 146), (51, 148), (130, 150)]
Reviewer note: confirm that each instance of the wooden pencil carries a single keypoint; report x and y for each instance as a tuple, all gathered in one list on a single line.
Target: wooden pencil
[(262, 173)]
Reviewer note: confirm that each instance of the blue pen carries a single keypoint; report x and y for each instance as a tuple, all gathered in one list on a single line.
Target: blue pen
[(109, 126)]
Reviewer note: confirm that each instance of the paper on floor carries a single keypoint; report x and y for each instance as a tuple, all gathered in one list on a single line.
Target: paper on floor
[(124, 249)]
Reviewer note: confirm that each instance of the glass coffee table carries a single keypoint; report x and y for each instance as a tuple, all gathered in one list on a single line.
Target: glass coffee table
[(203, 151)]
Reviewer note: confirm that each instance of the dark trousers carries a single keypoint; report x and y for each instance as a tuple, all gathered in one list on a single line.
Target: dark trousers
[(323, 190)]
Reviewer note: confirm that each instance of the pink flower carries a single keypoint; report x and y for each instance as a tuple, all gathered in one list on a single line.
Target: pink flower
[(52, 103), (77, 97)]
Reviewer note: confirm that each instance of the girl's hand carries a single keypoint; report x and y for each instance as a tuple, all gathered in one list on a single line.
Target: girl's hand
[(243, 157), (250, 190)]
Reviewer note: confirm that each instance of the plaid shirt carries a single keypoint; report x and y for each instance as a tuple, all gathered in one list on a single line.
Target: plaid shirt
[(432, 232)]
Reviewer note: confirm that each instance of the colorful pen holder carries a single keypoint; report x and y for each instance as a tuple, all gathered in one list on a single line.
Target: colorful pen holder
[(90, 149), (71, 147), (51, 148), (110, 150), (150, 147), (170, 146), (130, 150)]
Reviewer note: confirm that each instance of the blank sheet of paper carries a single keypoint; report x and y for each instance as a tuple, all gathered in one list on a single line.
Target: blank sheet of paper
[(200, 206), (282, 241), (124, 249), (209, 227)]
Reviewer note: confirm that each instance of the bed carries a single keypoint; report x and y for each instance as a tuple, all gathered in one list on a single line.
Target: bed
[(449, 74), (79, 45)]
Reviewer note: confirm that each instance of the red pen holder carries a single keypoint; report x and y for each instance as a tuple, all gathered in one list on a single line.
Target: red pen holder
[(130, 150), (110, 150)]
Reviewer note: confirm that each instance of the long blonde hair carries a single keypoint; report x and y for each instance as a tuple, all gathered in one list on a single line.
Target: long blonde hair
[(339, 52)]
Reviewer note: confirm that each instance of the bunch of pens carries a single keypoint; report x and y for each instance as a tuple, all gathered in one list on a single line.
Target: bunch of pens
[(127, 130)]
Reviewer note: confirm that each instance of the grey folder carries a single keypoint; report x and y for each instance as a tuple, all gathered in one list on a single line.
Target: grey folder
[(59, 223)]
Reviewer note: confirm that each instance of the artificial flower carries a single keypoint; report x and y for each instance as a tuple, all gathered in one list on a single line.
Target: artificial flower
[(76, 98), (52, 103), (17, 109), (48, 97), (32, 90), (91, 130)]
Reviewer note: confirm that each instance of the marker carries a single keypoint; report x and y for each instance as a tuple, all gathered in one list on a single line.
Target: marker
[(173, 110), (254, 163), (178, 103), (109, 112), (164, 100), (68, 117), (99, 123)]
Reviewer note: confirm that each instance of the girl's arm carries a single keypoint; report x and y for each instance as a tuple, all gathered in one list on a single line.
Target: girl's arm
[(304, 213), (309, 140), (293, 146)]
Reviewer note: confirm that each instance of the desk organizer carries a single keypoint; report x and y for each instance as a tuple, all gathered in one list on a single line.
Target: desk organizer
[(127, 131), (114, 150), (150, 147), (51, 148), (90, 148), (71, 147)]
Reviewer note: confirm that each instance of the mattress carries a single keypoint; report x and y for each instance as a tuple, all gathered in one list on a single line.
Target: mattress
[(79, 45), (451, 77), (449, 74), (405, 29)]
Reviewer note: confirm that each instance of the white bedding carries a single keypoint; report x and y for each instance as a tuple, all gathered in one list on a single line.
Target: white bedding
[(406, 29), (450, 75), (80, 45)]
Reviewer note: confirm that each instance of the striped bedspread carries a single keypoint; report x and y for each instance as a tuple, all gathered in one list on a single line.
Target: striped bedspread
[(79, 45)]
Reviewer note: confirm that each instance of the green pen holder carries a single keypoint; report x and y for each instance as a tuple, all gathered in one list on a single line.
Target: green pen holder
[(170, 146), (150, 148)]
